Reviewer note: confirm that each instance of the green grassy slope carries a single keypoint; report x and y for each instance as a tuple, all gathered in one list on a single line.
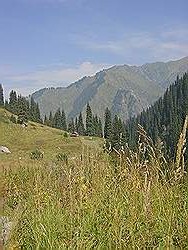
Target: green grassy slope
[(22, 141), (91, 202)]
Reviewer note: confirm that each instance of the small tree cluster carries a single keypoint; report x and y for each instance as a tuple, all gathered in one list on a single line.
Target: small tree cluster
[(92, 126), (25, 109), (114, 130), (93, 123), (58, 120)]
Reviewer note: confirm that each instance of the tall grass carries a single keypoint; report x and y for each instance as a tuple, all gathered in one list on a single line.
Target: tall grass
[(98, 201)]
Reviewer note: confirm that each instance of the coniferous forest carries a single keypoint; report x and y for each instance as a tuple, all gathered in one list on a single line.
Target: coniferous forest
[(163, 121)]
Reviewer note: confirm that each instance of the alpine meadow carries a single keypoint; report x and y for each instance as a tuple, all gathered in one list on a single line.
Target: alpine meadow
[(93, 125)]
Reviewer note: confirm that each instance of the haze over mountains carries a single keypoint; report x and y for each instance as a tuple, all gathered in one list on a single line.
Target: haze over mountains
[(126, 90)]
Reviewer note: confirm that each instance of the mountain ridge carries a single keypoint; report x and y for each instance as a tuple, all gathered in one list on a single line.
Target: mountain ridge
[(144, 84)]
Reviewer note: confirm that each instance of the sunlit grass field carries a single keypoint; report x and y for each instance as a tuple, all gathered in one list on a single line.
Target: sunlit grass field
[(89, 200)]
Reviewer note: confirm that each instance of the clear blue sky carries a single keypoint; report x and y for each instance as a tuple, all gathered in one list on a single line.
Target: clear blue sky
[(55, 42)]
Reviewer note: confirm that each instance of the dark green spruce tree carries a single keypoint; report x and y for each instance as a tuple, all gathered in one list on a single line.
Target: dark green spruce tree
[(57, 121), (46, 121), (50, 119), (71, 126), (1, 96), (63, 120), (81, 128), (90, 130), (13, 102), (107, 124)]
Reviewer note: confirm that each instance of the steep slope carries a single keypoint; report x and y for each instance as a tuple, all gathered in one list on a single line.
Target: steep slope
[(126, 90), (165, 119)]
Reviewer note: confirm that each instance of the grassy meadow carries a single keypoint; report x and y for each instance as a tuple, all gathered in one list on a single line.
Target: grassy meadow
[(88, 199)]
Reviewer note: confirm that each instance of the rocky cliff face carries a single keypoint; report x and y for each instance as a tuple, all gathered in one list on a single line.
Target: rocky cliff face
[(127, 104)]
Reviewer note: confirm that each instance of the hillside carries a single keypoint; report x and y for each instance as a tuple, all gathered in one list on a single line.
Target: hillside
[(91, 202), (22, 141), (126, 90)]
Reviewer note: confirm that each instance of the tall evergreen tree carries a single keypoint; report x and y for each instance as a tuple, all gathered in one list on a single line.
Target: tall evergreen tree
[(80, 129), (71, 126), (100, 131), (118, 134), (1, 96), (46, 121), (63, 120), (13, 102), (57, 122), (50, 119), (89, 121), (32, 109), (76, 124), (107, 124), (22, 107)]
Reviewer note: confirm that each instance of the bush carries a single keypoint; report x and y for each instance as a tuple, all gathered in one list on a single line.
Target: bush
[(22, 118), (62, 157), (36, 154), (13, 119), (66, 135)]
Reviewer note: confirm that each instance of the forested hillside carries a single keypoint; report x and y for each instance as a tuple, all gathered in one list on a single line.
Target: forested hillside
[(164, 120)]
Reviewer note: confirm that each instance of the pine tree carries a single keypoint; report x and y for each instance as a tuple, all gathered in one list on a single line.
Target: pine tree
[(116, 132), (1, 96), (76, 124), (98, 126), (80, 129), (107, 124), (100, 132), (34, 111), (50, 119), (22, 118), (63, 120), (22, 107), (13, 102), (71, 126), (57, 119), (90, 131), (37, 114)]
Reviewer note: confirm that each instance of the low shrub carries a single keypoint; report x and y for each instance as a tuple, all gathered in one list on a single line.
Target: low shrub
[(36, 154), (62, 157)]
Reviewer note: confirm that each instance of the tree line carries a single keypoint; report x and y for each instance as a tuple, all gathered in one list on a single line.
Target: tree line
[(91, 127), (25, 109), (162, 121)]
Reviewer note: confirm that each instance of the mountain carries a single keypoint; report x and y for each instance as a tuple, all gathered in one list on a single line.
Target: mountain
[(126, 90)]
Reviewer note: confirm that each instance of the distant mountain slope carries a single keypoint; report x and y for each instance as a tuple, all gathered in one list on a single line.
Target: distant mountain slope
[(126, 90)]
